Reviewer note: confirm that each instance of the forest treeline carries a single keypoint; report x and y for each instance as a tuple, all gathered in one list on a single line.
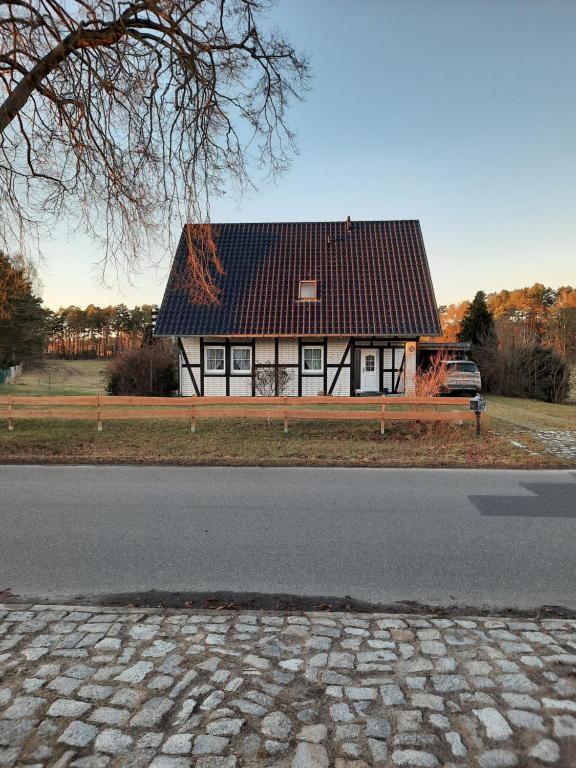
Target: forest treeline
[(92, 331), (28, 329), (532, 315)]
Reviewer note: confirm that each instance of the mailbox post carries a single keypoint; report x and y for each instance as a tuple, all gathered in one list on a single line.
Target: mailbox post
[(477, 406)]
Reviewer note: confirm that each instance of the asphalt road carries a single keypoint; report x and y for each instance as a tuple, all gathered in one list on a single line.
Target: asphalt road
[(478, 538)]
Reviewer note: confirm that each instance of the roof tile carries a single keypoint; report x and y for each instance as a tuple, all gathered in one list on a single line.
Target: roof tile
[(372, 280)]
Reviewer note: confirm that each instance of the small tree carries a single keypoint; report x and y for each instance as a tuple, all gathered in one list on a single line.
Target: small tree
[(148, 371), (477, 325), (271, 380)]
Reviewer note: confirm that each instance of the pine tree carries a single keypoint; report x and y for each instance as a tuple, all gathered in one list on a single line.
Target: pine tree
[(477, 325), (23, 319)]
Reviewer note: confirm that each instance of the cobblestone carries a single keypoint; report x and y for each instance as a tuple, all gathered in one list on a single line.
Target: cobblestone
[(78, 734), (227, 690), (560, 442)]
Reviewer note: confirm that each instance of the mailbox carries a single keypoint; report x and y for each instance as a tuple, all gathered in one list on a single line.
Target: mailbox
[(477, 404)]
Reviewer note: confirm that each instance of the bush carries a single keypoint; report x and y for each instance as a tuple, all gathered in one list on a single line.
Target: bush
[(431, 380), (270, 381), (528, 370), (148, 371)]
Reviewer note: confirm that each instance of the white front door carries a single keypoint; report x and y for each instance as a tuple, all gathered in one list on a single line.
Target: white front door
[(369, 359)]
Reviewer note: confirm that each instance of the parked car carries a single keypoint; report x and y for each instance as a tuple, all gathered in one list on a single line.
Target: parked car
[(462, 376)]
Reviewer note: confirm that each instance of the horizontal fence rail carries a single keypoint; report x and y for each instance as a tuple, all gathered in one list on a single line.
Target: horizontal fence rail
[(99, 409)]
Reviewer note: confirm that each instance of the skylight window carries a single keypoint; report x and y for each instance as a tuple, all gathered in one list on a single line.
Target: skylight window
[(307, 291)]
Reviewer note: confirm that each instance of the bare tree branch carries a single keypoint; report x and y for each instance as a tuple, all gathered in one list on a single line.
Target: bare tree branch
[(127, 117)]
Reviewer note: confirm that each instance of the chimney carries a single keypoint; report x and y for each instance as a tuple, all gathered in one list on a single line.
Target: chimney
[(348, 224)]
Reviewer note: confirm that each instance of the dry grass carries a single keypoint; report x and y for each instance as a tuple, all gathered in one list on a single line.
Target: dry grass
[(532, 414), (59, 377), (255, 443)]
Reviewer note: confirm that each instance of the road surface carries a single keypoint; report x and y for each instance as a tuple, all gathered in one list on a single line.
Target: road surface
[(477, 538)]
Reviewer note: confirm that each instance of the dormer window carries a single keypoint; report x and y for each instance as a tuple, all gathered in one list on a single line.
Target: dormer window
[(307, 291)]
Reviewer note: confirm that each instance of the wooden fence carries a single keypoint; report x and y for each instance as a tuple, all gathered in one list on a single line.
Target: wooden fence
[(101, 409)]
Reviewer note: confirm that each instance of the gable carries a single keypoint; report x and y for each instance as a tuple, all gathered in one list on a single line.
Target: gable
[(371, 279)]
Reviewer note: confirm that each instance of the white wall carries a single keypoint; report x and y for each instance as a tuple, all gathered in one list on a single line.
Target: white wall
[(389, 379), (312, 386), (214, 385), (191, 346), (288, 351), (410, 368), (336, 349), (264, 351), (241, 386)]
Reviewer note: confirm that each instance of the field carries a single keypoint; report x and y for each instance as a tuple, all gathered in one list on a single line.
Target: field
[(59, 377), (257, 443)]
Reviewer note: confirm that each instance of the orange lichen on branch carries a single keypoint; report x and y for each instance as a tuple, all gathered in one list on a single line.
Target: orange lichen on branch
[(198, 275)]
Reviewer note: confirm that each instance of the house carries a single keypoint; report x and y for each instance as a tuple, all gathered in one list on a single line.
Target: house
[(336, 307)]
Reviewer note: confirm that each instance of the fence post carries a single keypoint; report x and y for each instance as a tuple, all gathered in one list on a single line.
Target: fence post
[(285, 416), (382, 421), (193, 419), (98, 414), (10, 421)]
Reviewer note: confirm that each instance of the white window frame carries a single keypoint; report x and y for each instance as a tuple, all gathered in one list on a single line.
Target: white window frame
[(308, 282), (318, 371), (214, 371), (243, 371)]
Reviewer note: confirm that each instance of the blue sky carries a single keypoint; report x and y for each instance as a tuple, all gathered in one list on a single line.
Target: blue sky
[(461, 113)]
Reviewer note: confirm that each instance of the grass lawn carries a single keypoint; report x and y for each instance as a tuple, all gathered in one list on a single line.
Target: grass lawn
[(255, 443), (532, 414), (59, 377)]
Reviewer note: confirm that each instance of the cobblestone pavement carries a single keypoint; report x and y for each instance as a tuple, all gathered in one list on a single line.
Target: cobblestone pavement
[(97, 687), (559, 442)]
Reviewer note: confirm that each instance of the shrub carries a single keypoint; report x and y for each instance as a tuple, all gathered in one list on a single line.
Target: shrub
[(528, 370), (431, 380), (147, 371), (270, 380)]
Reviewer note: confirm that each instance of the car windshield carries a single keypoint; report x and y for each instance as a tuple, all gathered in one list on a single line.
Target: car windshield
[(463, 367)]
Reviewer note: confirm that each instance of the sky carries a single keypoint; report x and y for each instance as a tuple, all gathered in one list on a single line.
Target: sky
[(459, 113)]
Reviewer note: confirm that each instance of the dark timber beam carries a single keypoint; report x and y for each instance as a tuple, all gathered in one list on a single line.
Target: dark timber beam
[(340, 366), (188, 366)]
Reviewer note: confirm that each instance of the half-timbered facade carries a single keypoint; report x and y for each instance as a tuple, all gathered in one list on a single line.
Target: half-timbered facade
[(324, 307)]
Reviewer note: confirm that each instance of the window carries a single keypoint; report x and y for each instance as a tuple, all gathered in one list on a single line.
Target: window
[(462, 367), (370, 363), (312, 361), (241, 359), (307, 291), (215, 360)]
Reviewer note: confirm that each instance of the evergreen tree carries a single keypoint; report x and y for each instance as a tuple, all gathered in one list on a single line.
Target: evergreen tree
[(24, 322), (477, 325)]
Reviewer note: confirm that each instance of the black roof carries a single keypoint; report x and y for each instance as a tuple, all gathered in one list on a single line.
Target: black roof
[(372, 279)]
